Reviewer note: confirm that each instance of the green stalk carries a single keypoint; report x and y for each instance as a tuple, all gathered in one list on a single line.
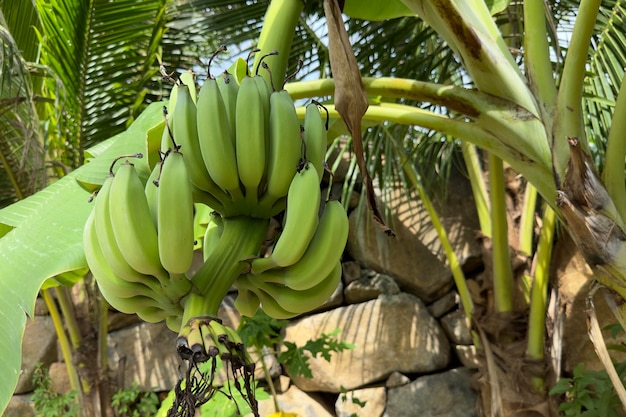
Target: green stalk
[(539, 175), (514, 125), (67, 309), (569, 120), (64, 343), (527, 222), (537, 57), (279, 26), (240, 240), (455, 265), (104, 392), (518, 136), (538, 299), (614, 175), (526, 235), (268, 378), (472, 163), (502, 273), (103, 317)]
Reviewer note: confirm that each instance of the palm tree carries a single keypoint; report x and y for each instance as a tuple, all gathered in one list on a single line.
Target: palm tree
[(90, 80)]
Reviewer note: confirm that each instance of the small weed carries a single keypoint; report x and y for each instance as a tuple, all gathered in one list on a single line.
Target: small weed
[(49, 403), (133, 402), (589, 393)]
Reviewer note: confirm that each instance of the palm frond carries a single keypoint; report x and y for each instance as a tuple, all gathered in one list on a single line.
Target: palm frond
[(103, 55), (21, 152), (606, 71), (237, 24)]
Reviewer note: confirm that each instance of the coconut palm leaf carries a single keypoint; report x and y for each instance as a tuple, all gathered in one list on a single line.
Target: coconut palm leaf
[(102, 55), (21, 151), (606, 70)]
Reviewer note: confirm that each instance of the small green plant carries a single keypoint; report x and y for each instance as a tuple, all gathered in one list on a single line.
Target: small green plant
[(353, 399), (296, 358), (589, 393), (49, 403), (133, 402), (263, 331)]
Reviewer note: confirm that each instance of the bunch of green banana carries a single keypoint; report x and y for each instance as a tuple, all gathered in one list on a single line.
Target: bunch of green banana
[(288, 291), (123, 247), (243, 142), (238, 148)]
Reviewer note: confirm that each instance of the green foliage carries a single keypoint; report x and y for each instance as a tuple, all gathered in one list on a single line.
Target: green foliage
[(260, 330), (49, 403), (296, 359), (589, 393), (133, 402)]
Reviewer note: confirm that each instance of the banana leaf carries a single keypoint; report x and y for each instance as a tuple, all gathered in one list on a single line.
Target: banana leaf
[(42, 239)]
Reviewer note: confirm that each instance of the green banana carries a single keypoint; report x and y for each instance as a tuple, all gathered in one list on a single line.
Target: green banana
[(152, 192), (126, 297), (246, 302), (303, 202), (250, 137), (229, 88), (254, 295), (321, 255), (301, 301), (109, 245), (174, 322), (270, 306), (183, 123), (111, 285), (135, 233), (315, 137), (285, 146), (171, 104), (196, 338), (265, 93), (188, 78), (175, 215), (135, 304), (152, 314), (216, 144), (212, 234), (106, 238)]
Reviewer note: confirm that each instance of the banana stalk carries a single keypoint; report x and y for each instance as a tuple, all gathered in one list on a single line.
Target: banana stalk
[(277, 34), (568, 120), (537, 316), (240, 240), (502, 272)]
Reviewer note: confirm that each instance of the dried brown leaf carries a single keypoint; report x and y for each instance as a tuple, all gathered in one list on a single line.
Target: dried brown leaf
[(350, 98)]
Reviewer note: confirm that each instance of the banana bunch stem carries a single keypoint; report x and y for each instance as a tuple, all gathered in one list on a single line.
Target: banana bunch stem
[(240, 240)]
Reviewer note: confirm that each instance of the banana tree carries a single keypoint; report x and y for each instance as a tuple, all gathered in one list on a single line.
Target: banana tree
[(518, 116)]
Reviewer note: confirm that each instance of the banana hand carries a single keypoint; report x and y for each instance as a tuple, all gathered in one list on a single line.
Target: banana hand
[(321, 255)]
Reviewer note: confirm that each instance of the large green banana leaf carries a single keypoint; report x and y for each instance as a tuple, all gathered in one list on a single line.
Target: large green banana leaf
[(41, 237)]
